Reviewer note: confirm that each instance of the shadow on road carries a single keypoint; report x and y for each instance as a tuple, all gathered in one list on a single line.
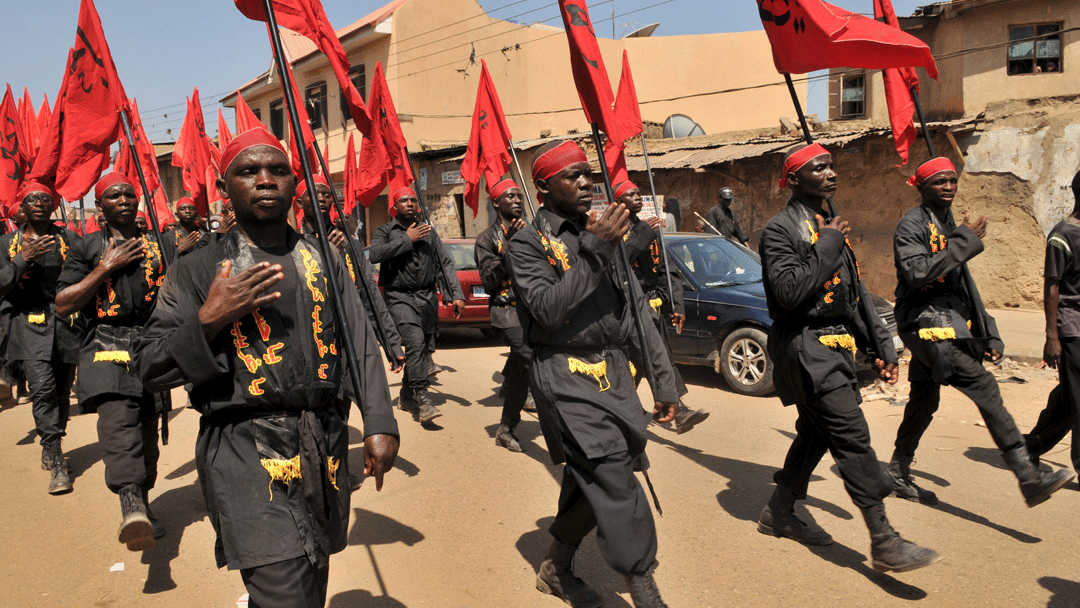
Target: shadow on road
[(589, 565), (1066, 593), (370, 529), (82, 458), (176, 509), (990, 456), (530, 437)]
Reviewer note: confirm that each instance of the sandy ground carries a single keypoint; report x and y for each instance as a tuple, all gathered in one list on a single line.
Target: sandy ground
[(461, 523)]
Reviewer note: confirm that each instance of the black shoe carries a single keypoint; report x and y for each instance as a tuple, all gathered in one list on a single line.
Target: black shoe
[(792, 527), (136, 531), (643, 591), (905, 488), (556, 577), (407, 402), (59, 481), (530, 403), (686, 419), (428, 411), (504, 437), (1036, 485), (889, 551), (435, 370)]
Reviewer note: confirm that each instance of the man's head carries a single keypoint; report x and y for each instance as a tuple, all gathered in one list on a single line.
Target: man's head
[(186, 213), (407, 205), (936, 180), (630, 195), (115, 196), (322, 194), (141, 221), (258, 181), (726, 196), (507, 198), (809, 172), (37, 201), (563, 178)]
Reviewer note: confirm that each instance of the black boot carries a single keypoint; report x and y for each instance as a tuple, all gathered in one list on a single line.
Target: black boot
[(136, 531), (158, 527), (778, 519), (504, 437), (428, 411), (1035, 485), (891, 552), (59, 481), (643, 591), (407, 401), (686, 418), (556, 577), (898, 471)]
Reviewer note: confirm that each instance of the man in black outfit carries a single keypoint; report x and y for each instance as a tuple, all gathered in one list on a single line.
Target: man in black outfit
[(43, 343), (247, 322), (723, 219), (577, 320), (1061, 303), (187, 231), (821, 313), (647, 262), (502, 304), (111, 278), (941, 319), (411, 259)]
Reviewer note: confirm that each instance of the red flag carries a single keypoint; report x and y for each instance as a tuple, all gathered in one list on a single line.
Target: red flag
[(307, 18), (192, 153), (590, 75), (144, 152), (44, 116), (349, 177), (811, 35), (223, 134), (898, 85), (305, 126), (13, 164), (616, 162), (486, 153), (382, 157), (77, 149), (627, 113), (31, 128), (245, 118)]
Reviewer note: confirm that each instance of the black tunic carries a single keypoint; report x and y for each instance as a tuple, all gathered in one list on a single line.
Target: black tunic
[(409, 272), (647, 261), (724, 221), (33, 330), (488, 252), (272, 451)]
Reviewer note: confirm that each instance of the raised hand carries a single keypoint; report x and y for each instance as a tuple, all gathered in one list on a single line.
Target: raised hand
[(231, 298), (611, 225), (834, 224), (119, 256), (418, 232), (37, 247), (978, 226)]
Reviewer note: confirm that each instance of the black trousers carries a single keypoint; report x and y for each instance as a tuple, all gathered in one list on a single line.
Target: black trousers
[(128, 432), (603, 493), (515, 388), (293, 583), (419, 343), (1062, 412), (49, 385), (970, 378), (834, 421)]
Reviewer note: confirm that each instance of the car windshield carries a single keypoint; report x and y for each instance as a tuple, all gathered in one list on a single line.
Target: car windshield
[(716, 262), (461, 254)]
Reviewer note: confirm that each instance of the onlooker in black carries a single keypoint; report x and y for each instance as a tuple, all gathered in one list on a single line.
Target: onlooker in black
[(723, 219), (502, 304), (821, 315), (112, 279), (936, 300), (1061, 302), (577, 320), (650, 268), (411, 259), (248, 323), (42, 342)]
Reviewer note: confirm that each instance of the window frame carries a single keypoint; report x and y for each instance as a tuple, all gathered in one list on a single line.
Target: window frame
[(844, 79), (315, 102), (357, 72), (1034, 39), (277, 119)]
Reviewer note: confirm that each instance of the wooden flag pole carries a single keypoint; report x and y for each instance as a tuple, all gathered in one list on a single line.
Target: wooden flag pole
[(345, 332), (659, 233), (521, 177)]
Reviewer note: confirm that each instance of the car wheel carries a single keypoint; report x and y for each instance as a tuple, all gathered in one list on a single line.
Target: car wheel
[(744, 362)]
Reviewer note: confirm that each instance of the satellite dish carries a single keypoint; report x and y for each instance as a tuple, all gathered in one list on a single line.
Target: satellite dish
[(644, 32), (681, 125)]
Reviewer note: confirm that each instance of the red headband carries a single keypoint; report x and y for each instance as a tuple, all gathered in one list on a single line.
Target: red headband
[(800, 158), (185, 200), (143, 215), (302, 188), (500, 188), (403, 191), (929, 169), (109, 181), (623, 188), (558, 158), (258, 136), (31, 187)]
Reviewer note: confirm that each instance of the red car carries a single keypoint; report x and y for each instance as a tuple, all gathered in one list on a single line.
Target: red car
[(476, 299)]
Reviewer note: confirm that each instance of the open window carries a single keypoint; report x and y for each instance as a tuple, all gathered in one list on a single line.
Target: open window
[(315, 101), (1034, 49), (853, 95), (358, 76)]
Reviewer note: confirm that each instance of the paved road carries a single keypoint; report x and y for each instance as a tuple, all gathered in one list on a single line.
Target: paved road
[(460, 522)]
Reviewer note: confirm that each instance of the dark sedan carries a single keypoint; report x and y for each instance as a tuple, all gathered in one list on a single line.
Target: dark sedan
[(727, 321)]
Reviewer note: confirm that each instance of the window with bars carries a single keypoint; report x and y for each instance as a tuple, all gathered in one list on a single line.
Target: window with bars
[(315, 100), (852, 95), (1034, 49), (277, 119), (358, 76)]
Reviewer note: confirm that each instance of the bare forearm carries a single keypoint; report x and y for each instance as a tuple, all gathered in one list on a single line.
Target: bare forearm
[(1051, 295)]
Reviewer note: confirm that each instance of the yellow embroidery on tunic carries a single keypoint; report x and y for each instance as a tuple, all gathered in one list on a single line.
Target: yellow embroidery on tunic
[(656, 303), (838, 341), (633, 370), (596, 370), (813, 233), (936, 334), (115, 356), (256, 386), (15, 247), (281, 470), (36, 319), (311, 266), (332, 465)]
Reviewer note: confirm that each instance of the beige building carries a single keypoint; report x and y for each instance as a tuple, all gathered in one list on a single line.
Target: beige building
[(431, 51)]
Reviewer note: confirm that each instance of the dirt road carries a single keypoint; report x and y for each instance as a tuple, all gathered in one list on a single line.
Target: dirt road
[(461, 523)]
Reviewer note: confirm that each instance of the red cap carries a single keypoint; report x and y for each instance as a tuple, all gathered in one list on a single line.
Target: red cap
[(302, 188), (184, 200), (622, 188), (403, 191), (800, 158), (109, 181), (929, 169), (556, 159), (29, 188), (257, 136), (500, 188)]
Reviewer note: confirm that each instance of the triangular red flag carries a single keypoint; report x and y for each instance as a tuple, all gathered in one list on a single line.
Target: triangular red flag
[(811, 35), (487, 154), (245, 118), (223, 134), (898, 85), (616, 162), (12, 162), (590, 75), (93, 99), (307, 18), (30, 126), (382, 157), (349, 177), (44, 116), (305, 126), (192, 153), (627, 113), (144, 153)]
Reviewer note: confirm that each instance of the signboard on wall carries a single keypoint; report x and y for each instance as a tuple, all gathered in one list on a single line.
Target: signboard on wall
[(452, 178), (599, 201)]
